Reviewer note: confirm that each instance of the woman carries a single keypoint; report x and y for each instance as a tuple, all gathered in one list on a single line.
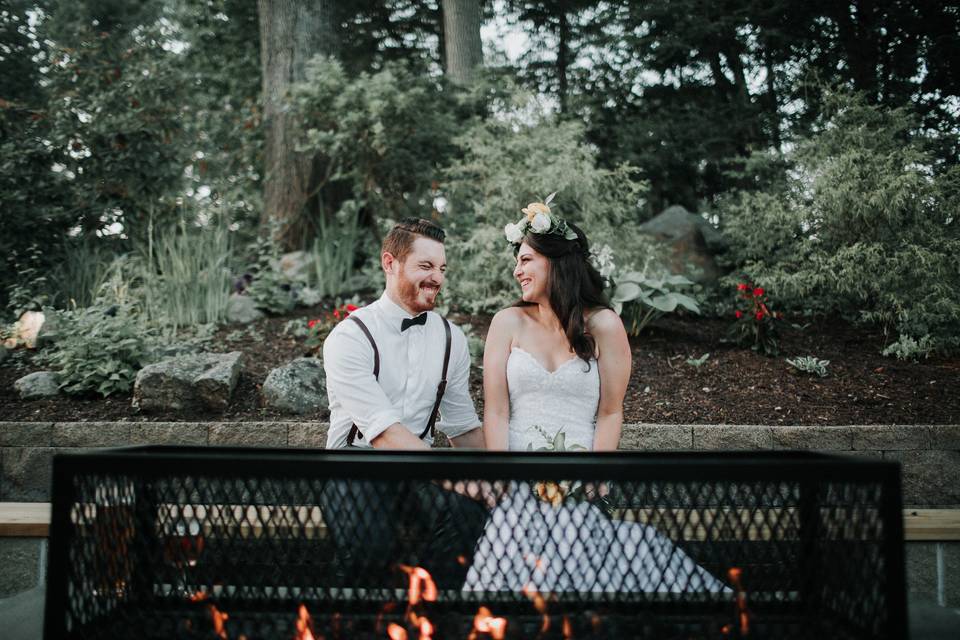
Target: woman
[(561, 342), (555, 371)]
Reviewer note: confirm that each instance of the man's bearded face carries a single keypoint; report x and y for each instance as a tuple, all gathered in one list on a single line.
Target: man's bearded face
[(418, 279)]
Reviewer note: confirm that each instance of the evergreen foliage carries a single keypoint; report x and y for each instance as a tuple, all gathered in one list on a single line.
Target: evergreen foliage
[(866, 226)]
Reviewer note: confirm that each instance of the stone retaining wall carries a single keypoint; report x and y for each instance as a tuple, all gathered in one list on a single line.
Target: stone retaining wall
[(930, 454)]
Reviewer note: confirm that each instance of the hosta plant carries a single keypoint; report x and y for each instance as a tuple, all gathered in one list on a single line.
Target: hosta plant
[(641, 299)]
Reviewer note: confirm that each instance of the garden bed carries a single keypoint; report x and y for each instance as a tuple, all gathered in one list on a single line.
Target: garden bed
[(732, 386)]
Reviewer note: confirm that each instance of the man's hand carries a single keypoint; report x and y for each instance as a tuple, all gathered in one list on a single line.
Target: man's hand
[(484, 492), (470, 440), (398, 436)]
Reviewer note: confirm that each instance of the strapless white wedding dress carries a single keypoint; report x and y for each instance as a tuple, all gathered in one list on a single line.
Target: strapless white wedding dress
[(530, 543)]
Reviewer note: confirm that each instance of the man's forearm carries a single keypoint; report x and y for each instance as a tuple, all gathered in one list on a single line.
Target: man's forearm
[(398, 436), (470, 440)]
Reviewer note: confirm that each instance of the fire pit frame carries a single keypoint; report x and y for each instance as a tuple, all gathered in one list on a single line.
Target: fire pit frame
[(806, 468)]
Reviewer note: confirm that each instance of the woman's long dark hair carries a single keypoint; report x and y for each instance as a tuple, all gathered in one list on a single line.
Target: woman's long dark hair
[(574, 285)]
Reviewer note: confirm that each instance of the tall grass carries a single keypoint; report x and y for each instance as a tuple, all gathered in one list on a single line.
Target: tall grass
[(76, 279), (334, 251), (186, 274)]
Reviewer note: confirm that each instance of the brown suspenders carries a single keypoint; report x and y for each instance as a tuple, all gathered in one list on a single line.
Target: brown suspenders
[(355, 432)]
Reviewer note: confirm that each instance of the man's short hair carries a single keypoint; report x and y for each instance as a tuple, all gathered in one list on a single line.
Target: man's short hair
[(400, 239)]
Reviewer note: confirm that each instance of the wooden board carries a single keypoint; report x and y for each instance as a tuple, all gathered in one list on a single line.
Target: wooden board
[(32, 520)]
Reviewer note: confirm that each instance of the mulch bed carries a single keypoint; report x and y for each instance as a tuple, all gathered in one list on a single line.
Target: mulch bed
[(733, 386)]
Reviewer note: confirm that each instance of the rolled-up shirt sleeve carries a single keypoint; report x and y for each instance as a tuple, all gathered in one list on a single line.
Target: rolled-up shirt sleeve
[(348, 364), (458, 415)]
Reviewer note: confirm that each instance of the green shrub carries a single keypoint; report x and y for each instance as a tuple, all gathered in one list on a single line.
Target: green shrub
[(515, 158), (865, 226), (99, 349)]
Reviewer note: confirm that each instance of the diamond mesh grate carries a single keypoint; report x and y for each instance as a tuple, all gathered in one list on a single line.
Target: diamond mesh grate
[(208, 543)]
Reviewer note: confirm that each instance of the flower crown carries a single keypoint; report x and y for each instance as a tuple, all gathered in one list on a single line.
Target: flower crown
[(539, 219)]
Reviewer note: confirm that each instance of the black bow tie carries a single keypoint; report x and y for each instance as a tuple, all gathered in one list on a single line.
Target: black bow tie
[(409, 322)]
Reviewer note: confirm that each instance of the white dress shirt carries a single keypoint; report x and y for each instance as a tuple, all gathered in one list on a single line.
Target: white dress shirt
[(411, 364)]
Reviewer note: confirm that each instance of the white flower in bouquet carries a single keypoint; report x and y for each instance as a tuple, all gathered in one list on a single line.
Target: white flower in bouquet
[(541, 222), (514, 233)]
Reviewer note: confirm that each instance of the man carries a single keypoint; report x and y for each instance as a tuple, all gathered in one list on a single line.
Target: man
[(391, 409), (395, 372)]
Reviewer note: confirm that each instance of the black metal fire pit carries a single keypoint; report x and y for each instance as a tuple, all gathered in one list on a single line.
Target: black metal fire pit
[(169, 542)]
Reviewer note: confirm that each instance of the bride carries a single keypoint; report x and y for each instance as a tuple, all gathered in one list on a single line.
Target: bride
[(555, 371)]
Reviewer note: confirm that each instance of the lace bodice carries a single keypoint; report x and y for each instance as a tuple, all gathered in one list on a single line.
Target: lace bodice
[(562, 400)]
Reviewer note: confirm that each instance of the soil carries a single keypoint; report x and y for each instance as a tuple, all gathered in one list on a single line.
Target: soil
[(733, 385)]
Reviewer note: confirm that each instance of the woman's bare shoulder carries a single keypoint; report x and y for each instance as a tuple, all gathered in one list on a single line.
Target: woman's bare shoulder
[(603, 321), (510, 317)]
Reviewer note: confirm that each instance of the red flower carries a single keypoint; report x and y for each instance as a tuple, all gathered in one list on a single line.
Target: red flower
[(312, 323), (336, 313), (759, 315), (738, 314), (743, 286), (351, 308), (757, 292)]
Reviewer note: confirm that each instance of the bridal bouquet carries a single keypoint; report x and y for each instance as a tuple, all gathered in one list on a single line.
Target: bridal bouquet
[(556, 492)]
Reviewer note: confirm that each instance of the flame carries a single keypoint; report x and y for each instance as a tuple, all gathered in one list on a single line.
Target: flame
[(539, 603), (743, 615), (304, 624), (462, 560), (485, 622), (426, 628), (567, 628), (422, 585), (219, 621), (396, 632), (596, 622), (198, 596)]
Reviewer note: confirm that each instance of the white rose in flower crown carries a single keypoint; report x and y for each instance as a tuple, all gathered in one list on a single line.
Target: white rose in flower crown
[(514, 233), (541, 222)]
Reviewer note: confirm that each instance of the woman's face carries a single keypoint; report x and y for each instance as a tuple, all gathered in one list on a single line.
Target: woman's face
[(533, 274)]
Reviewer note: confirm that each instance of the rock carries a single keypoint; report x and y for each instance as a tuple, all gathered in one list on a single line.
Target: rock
[(242, 309), (40, 384), (693, 242), (198, 381), (298, 387), (25, 330), (297, 265)]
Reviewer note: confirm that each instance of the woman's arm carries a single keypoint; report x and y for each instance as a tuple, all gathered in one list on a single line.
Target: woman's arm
[(615, 361), (496, 398)]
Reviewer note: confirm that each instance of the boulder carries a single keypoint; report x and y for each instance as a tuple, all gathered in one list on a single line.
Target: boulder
[(693, 243), (297, 387), (197, 381), (25, 330), (297, 265), (40, 384), (242, 309)]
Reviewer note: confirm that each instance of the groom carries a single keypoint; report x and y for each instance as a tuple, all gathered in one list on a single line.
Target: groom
[(397, 372)]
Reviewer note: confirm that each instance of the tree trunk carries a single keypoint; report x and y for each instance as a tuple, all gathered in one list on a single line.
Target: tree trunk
[(563, 58), (773, 101), (461, 37), (291, 32)]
